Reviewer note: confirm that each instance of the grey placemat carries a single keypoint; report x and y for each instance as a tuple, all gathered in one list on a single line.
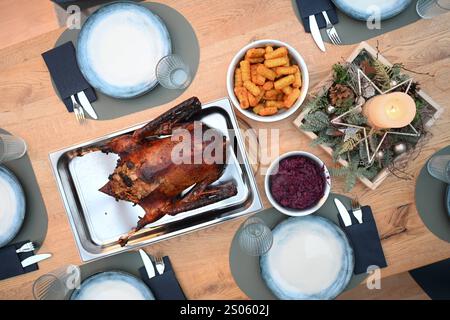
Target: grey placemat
[(353, 31), (430, 201), (35, 224), (184, 43), (246, 269), (128, 261)]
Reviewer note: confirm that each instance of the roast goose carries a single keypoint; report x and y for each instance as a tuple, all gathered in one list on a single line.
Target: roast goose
[(146, 174)]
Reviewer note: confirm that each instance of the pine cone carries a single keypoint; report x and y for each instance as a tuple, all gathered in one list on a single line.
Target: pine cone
[(340, 94)]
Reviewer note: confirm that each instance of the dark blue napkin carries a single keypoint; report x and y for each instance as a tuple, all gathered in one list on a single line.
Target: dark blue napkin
[(434, 279), (165, 286), (62, 64), (365, 241), (10, 265), (315, 7)]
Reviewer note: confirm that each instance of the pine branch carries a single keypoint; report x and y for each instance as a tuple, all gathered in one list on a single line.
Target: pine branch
[(383, 74), (356, 119), (316, 121)]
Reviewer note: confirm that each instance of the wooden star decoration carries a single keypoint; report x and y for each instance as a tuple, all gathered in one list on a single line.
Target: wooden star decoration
[(358, 108)]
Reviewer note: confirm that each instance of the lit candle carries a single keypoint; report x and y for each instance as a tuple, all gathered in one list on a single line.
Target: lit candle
[(392, 110)]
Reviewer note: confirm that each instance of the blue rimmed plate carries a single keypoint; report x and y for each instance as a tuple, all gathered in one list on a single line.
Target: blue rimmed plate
[(311, 258), (112, 285), (368, 9), (12, 206), (119, 47)]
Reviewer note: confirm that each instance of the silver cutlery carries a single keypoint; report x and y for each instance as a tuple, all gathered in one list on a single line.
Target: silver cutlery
[(78, 110), (315, 32), (357, 212), (343, 212), (160, 266), (147, 264), (35, 259), (27, 247), (86, 105), (331, 30)]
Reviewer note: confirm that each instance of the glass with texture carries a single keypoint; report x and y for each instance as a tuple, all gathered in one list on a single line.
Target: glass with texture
[(428, 9), (439, 167), (255, 237), (173, 73), (11, 147), (58, 284)]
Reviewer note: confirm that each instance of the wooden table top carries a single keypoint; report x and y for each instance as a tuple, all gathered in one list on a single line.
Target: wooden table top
[(30, 108)]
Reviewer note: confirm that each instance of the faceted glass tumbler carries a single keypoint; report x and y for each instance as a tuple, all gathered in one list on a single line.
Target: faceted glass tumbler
[(255, 237), (428, 9), (439, 167), (58, 284), (173, 73), (11, 147)]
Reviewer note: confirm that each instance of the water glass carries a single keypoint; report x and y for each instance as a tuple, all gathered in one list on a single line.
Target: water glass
[(173, 73), (428, 9), (439, 167), (58, 284), (255, 237), (11, 147)]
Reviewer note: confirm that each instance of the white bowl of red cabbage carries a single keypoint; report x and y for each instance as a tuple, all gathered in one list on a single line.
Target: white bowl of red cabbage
[(297, 183)]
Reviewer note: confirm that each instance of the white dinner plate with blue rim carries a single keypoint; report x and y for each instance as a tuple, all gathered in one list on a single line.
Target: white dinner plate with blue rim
[(119, 47), (311, 258), (366, 9), (12, 206), (112, 285)]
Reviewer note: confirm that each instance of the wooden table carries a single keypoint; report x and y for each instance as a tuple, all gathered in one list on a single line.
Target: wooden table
[(29, 108)]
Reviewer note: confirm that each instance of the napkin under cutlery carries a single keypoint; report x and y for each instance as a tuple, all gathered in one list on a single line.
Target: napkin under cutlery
[(62, 64), (10, 261), (164, 286), (365, 241), (315, 7)]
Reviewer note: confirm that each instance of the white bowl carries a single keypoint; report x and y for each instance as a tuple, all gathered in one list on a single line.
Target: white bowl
[(297, 212), (297, 59)]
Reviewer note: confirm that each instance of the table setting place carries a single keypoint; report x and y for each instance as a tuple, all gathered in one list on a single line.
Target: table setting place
[(130, 189)]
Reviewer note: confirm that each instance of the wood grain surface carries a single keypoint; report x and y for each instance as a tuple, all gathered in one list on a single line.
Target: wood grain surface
[(29, 108)]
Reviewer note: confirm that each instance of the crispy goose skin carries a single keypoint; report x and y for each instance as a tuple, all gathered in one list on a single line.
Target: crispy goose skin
[(147, 175)]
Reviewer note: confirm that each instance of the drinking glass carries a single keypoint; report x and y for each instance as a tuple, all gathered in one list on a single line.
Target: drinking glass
[(11, 147), (428, 9), (255, 237), (439, 167), (58, 284), (173, 73)]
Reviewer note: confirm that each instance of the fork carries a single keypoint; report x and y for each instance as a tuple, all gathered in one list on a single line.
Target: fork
[(78, 110), (356, 208), (159, 263), (331, 30), (27, 247)]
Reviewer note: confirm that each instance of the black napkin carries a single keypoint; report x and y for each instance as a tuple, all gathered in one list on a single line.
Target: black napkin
[(315, 7), (165, 286), (10, 261), (62, 64), (365, 241)]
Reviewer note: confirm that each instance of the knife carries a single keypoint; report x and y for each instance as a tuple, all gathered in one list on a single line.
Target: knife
[(345, 216), (86, 104), (147, 263), (315, 32), (35, 259)]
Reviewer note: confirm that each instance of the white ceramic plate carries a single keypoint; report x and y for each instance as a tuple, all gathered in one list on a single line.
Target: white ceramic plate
[(112, 285), (296, 59), (119, 47), (311, 258), (366, 9), (12, 206)]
